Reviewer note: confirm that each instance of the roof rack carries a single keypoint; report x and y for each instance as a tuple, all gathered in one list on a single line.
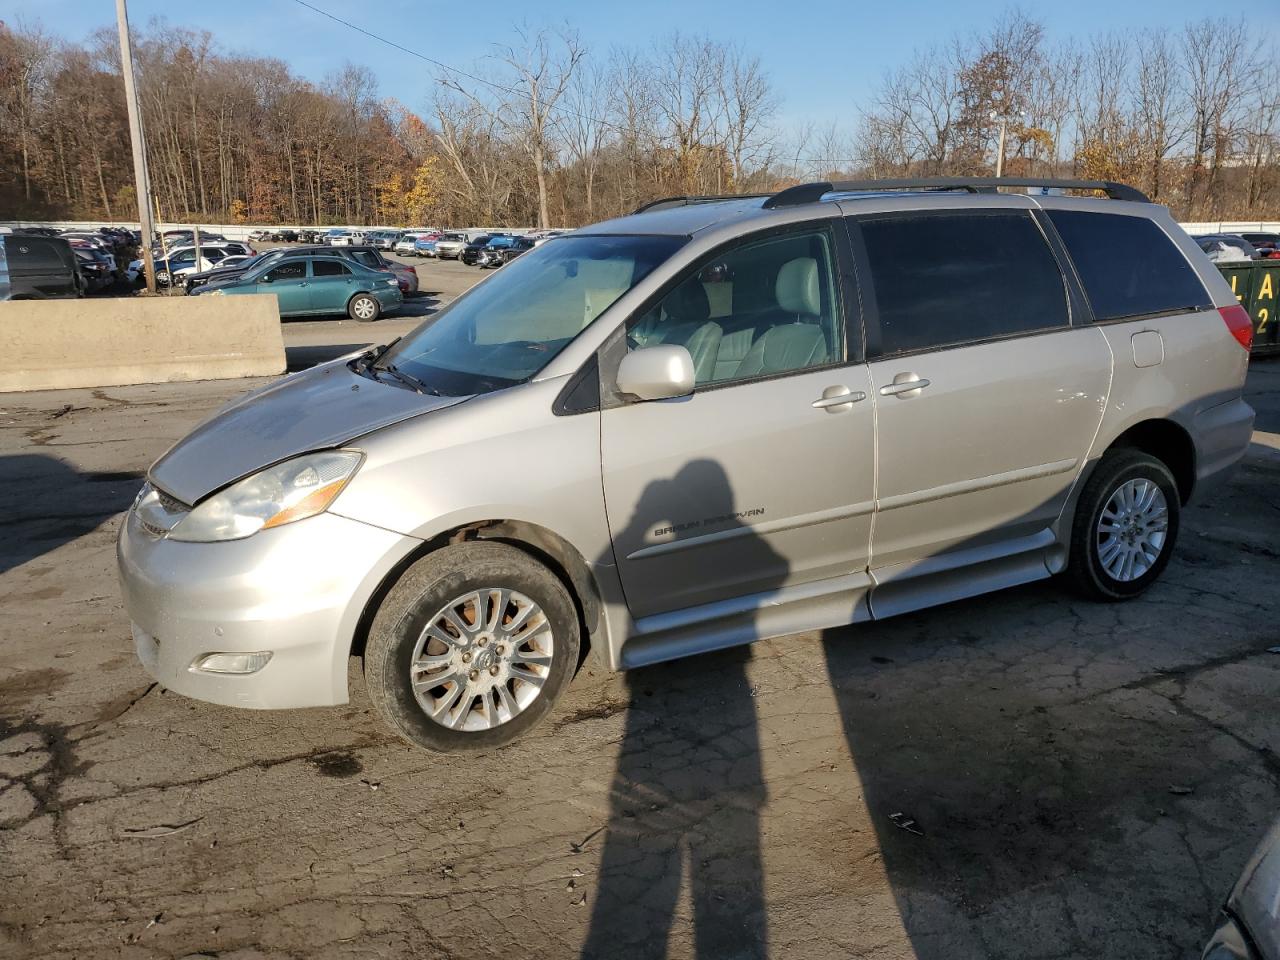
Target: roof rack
[(667, 202), (810, 192)]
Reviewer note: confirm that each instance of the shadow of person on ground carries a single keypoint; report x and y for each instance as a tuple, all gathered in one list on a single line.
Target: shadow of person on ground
[(45, 503), (688, 788)]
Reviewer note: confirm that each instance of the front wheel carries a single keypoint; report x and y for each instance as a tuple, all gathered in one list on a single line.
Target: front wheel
[(1125, 526), (471, 648), (364, 308)]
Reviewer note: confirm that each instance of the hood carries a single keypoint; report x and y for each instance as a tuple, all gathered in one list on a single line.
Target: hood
[(325, 406)]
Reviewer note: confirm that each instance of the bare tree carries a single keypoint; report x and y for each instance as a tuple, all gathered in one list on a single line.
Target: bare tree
[(542, 66), (582, 128)]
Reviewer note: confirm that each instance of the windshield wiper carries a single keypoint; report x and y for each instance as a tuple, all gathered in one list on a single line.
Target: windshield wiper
[(407, 379), (370, 357)]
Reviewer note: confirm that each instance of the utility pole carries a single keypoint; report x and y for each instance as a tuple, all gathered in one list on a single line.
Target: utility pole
[(1004, 121), (999, 153), (140, 178)]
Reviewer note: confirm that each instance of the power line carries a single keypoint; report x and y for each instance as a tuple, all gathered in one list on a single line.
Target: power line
[(501, 86), (444, 66)]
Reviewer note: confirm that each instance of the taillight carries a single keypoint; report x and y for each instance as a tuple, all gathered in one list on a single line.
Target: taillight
[(1238, 322)]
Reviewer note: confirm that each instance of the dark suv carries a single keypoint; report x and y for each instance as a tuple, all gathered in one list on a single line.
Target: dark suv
[(38, 268)]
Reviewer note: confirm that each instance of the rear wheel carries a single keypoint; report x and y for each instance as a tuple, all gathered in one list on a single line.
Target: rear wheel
[(471, 648), (1125, 526), (364, 308)]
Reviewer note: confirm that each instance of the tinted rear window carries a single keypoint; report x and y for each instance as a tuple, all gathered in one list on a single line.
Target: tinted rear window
[(1128, 265), (35, 254), (950, 279)]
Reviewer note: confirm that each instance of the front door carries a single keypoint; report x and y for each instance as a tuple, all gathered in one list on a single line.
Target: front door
[(987, 397), (762, 479), (288, 281)]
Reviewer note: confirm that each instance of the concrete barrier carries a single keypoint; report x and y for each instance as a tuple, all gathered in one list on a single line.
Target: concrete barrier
[(56, 344)]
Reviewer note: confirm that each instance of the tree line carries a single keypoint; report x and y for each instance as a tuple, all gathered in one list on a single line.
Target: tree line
[(547, 132)]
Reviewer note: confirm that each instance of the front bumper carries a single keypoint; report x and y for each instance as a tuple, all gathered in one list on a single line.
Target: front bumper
[(297, 591)]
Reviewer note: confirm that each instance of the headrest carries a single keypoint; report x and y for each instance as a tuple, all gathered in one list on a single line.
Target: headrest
[(797, 287), (688, 303)]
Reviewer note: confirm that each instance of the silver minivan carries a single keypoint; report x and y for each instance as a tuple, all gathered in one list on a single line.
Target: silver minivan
[(710, 422)]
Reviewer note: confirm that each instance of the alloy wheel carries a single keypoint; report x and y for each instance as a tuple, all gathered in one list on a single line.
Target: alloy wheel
[(1132, 529), (482, 659)]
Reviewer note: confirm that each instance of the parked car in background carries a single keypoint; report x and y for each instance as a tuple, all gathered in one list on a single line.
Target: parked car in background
[(493, 257), (97, 268), (226, 269), (41, 268), (382, 239), (287, 236), (449, 246), (317, 286), (425, 245), (470, 252), (406, 277), (91, 238), (1265, 239), (404, 246), (36, 231), (338, 237), (256, 236), (183, 260), (542, 236), (310, 235), (1225, 247)]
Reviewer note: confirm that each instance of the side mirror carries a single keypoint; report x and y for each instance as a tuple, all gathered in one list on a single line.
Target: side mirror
[(656, 373)]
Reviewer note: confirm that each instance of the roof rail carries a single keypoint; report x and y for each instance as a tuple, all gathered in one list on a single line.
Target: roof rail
[(810, 192), (666, 202)]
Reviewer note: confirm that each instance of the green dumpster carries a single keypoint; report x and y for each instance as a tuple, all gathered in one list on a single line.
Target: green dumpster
[(1256, 284)]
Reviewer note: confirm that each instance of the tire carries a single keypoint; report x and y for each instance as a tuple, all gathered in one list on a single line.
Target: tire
[(364, 308), (162, 278), (1098, 559), (425, 595)]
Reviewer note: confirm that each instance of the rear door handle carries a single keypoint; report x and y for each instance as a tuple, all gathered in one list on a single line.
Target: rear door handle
[(905, 385), (837, 397)]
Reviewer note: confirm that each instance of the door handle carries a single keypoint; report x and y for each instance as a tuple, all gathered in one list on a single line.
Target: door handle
[(837, 398), (905, 385)]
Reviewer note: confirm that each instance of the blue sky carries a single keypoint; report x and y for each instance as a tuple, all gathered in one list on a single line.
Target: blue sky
[(824, 56)]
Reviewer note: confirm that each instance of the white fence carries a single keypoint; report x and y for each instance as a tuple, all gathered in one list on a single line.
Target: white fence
[(232, 231), (241, 231)]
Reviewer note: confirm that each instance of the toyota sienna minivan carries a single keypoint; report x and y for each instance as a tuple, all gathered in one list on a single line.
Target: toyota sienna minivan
[(713, 421)]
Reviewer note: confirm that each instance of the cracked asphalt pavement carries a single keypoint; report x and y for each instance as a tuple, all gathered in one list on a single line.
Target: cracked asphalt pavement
[(1022, 775)]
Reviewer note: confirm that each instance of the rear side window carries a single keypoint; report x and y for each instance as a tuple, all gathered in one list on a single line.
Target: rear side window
[(1128, 265), (946, 279), (328, 268), (33, 255)]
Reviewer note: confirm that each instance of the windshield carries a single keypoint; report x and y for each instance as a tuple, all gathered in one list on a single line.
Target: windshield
[(513, 324)]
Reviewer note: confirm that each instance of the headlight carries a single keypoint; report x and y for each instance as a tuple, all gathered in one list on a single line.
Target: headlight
[(289, 491)]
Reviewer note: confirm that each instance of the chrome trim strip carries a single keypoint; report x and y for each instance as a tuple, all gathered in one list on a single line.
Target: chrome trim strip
[(758, 529), (961, 487)]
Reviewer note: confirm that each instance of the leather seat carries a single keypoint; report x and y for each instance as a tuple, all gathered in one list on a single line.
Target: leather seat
[(688, 324), (798, 340)]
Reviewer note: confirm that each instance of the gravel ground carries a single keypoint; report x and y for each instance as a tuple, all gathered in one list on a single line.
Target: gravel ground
[(1023, 775)]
